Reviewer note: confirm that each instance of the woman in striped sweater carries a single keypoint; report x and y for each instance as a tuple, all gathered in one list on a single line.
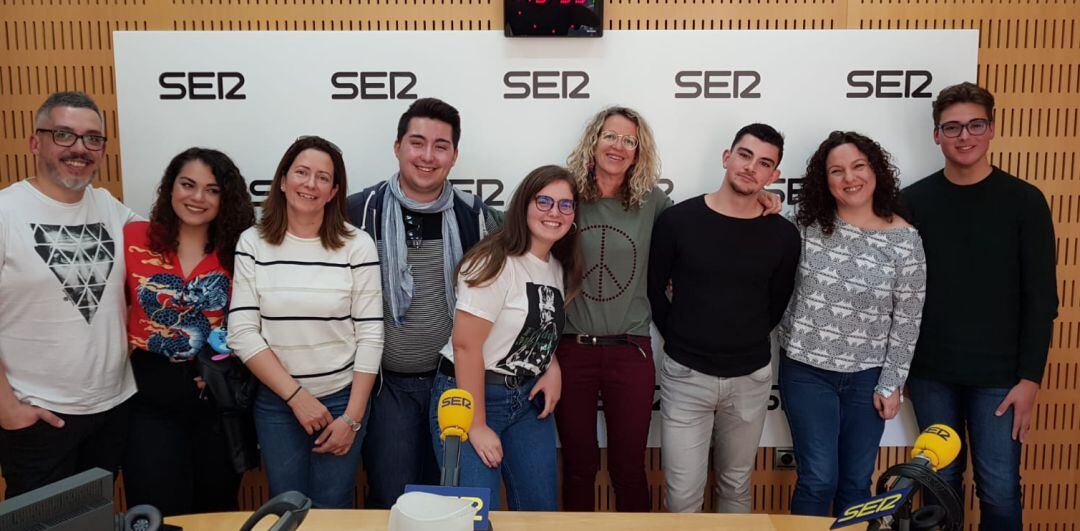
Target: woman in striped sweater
[(306, 318)]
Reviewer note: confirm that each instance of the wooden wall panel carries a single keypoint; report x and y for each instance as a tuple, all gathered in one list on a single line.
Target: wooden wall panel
[(1029, 56)]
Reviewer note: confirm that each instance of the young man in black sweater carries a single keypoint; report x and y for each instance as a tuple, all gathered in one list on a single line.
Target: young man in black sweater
[(731, 272), (991, 300)]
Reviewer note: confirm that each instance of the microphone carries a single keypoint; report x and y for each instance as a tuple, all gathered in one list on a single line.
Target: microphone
[(455, 419), (935, 448)]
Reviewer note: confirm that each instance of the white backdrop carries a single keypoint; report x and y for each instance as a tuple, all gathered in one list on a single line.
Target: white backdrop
[(524, 102)]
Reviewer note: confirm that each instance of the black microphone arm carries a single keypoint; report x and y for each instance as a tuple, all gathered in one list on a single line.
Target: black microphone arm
[(451, 469)]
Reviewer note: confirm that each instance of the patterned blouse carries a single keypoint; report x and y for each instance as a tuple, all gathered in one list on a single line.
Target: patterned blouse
[(858, 301), (171, 314)]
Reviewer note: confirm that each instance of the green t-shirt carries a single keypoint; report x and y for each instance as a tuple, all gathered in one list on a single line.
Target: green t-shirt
[(615, 244)]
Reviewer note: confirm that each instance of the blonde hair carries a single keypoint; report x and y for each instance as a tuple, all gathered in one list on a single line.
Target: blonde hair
[(642, 175)]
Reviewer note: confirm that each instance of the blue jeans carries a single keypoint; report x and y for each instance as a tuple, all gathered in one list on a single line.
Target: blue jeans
[(994, 453), (287, 457), (836, 433), (397, 449), (528, 444)]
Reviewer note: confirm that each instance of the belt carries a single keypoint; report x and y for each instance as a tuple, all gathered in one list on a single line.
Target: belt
[(399, 374), (446, 367), (607, 341)]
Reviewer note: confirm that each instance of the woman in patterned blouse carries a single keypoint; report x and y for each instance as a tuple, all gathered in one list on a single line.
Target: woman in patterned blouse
[(849, 332), (179, 266)]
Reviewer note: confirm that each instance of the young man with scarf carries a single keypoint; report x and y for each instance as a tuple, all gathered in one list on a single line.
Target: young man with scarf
[(422, 226)]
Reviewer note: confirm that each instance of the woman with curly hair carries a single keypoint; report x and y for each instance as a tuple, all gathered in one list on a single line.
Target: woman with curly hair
[(607, 352), (849, 332), (179, 267)]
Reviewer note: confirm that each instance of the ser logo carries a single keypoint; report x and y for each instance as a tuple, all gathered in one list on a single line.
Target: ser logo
[(373, 85), (718, 83), (456, 401), (787, 189), (202, 85), (477, 187), (546, 85), (940, 432), (889, 83), (881, 505)]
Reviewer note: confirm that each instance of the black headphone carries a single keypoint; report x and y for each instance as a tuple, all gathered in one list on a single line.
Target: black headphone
[(139, 518), (292, 507)]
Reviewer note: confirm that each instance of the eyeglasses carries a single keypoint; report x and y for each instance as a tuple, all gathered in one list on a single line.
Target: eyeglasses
[(976, 127), (331, 144), (545, 203), (67, 139), (414, 230), (629, 142)]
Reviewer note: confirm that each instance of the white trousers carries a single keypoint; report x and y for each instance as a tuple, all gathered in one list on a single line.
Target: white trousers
[(699, 410)]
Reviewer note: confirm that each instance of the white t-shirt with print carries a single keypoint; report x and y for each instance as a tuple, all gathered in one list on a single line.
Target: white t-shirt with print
[(525, 306), (62, 309)]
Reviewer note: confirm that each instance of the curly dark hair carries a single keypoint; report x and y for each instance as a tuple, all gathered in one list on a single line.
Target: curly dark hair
[(235, 215), (816, 203)]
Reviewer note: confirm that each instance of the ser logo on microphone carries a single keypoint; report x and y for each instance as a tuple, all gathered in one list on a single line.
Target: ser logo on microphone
[(939, 431), (456, 400)]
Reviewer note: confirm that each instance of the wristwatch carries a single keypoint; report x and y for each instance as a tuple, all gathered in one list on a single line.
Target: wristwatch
[(353, 425)]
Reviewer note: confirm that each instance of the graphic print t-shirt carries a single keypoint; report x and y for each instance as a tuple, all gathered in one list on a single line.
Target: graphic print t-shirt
[(171, 314), (525, 305), (62, 338)]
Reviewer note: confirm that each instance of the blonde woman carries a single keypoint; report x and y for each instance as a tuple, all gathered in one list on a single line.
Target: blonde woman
[(606, 351)]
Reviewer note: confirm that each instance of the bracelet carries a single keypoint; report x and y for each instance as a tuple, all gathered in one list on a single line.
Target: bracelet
[(293, 395)]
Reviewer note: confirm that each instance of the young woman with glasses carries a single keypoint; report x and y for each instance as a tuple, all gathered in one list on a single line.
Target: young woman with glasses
[(179, 266), (511, 288), (306, 318), (849, 332)]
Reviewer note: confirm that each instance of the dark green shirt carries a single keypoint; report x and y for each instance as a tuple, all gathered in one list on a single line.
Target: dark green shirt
[(991, 292), (615, 245)]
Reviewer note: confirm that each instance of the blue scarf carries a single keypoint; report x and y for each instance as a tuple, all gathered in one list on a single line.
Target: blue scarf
[(396, 271)]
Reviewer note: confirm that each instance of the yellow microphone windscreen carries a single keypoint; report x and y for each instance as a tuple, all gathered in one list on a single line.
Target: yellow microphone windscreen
[(455, 413), (938, 443)]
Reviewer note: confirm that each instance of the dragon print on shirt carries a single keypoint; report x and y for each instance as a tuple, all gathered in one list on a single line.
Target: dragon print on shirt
[(532, 350), (177, 321), (81, 257)]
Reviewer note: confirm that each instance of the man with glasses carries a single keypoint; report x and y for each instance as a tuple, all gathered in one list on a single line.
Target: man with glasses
[(731, 272), (64, 373), (422, 226), (991, 300)]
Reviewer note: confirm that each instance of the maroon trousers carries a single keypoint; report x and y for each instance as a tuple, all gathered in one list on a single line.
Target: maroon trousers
[(623, 376)]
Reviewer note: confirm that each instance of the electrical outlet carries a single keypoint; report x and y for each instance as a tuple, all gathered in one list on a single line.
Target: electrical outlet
[(783, 458)]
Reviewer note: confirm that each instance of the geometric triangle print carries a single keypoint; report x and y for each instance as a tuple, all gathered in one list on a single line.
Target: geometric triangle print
[(81, 257)]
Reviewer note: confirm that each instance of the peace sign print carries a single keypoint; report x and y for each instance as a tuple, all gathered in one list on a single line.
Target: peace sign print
[(614, 272)]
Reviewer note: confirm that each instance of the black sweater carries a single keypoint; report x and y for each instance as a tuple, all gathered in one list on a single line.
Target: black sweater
[(731, 280), (991, 291)]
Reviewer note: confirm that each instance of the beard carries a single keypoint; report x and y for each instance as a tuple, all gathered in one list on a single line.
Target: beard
[(68, 182), (741, 188)]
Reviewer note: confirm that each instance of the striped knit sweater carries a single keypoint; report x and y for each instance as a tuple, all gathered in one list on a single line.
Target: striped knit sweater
[(319, 311)]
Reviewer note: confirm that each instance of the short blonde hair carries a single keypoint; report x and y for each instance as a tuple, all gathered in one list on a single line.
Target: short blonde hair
[(641, 176)]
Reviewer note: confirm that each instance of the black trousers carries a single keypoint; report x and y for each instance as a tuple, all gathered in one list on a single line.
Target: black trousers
[(177, 458), (41, 454)]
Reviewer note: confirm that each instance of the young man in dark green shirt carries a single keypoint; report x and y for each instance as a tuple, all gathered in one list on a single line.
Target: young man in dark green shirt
[(991, 300)]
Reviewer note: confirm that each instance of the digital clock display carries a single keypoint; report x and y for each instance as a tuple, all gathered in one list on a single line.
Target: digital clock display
[(554, 18)]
